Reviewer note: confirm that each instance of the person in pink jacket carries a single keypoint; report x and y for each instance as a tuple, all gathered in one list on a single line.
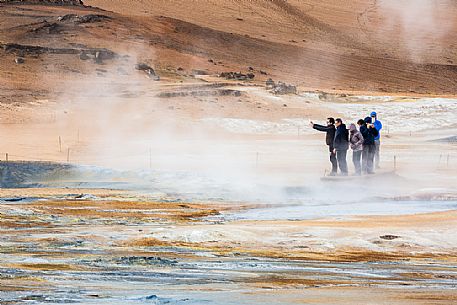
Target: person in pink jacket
[(356, 141)]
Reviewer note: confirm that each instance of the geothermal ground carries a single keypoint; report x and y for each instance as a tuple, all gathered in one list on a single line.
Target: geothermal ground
[(145, 161)]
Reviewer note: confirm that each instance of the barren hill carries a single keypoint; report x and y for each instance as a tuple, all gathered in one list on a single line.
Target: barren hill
[(357, 46)]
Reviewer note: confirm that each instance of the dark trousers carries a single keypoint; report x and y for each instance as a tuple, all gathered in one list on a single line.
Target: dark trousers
[(341, 157), (333, 160), (368, 158), (357, 160)]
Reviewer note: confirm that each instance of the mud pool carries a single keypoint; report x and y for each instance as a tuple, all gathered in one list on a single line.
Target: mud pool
[(61, 244)]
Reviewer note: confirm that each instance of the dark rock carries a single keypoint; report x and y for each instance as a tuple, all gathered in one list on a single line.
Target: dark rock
[(263, 72), (91, 18), (323, 96), (283, 88), (83, 56), (146, 260), (270, 84), (389, 237), (48, 28), (13, 199), (142, 67), (148, 70), (19, 60), (103, 54), (280, 87), (152, 76), (152, 297), (237, 75), (200, 93)]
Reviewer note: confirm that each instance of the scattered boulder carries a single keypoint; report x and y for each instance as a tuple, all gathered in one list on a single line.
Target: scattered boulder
[(91, 18), (280, 87), (269, 84), (283, 88), (142, 67), (83, 56), (19, 60), (200, 93), (323, 96), (237, 75), (148, 70)]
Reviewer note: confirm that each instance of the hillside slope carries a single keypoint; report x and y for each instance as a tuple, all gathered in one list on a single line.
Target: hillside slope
[(317, 46)]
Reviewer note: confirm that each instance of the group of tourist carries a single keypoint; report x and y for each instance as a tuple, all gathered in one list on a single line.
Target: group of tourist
[(363, 139)]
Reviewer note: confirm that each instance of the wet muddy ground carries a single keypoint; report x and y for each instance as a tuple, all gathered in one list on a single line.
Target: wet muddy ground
[(111, 248)]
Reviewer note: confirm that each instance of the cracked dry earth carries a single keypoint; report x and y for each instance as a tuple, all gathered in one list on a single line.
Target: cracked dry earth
[(117, 249)]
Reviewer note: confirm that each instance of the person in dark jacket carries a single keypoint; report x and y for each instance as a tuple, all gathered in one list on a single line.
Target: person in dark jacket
[(356, 140), (369, 134), (341, 146), (330, 130)]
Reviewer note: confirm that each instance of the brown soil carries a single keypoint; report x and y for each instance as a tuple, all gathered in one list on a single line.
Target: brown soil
[(331, 49)]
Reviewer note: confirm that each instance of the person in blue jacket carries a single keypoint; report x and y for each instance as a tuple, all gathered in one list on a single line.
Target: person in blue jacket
[(377, 140)]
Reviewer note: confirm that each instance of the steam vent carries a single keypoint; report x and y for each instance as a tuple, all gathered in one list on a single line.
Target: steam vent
[(228, 152)]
